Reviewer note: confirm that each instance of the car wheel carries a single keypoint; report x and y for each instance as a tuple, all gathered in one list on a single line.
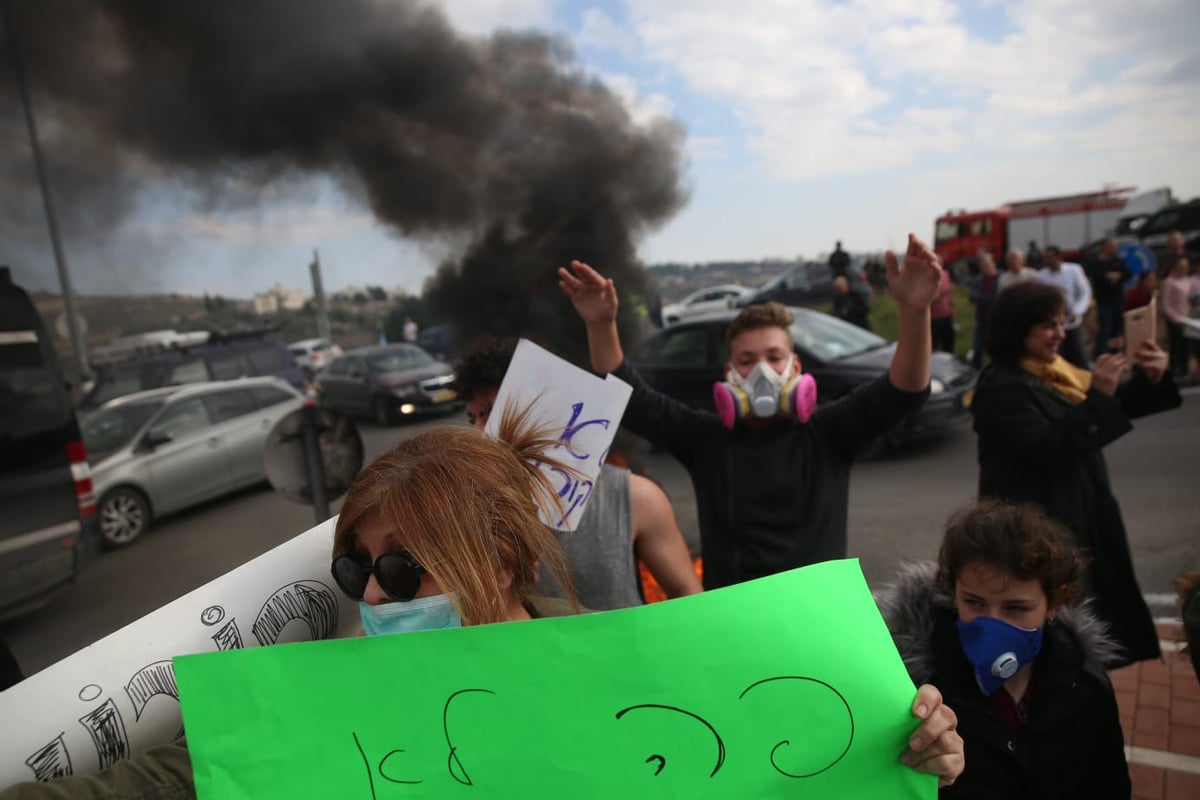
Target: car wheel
[(124, 515), (383, 409)]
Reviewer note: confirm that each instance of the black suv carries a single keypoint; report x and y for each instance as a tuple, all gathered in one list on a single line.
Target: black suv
[(48, 529), (222, 357)]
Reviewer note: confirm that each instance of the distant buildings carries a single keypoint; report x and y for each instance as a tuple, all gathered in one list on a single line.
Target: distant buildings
[(277, 299)]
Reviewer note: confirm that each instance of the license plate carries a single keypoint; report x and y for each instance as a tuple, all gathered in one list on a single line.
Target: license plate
[(444, 395)]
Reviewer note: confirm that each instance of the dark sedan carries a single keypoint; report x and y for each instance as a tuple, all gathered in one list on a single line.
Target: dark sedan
[(387, 382), (684, 361)]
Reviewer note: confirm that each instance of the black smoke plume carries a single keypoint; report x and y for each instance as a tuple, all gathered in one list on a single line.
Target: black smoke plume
[(503, 142)]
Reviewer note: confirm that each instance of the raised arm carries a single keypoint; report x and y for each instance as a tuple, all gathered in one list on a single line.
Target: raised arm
[(657, 539), (914, 286), (595, 299)]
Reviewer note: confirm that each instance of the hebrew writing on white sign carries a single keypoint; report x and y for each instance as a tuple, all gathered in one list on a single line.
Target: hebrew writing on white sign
[(581, 409)]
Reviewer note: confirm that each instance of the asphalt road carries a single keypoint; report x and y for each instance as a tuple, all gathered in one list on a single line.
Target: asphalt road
[(898, 506)]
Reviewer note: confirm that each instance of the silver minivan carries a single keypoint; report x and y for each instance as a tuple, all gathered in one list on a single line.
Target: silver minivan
[(163, 450)]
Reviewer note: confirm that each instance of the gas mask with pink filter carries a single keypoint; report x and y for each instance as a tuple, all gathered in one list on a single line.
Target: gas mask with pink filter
[(765, 393)]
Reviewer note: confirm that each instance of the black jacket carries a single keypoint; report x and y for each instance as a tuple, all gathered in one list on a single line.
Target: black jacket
[(1035, 447), (771, 498), (1072, 746)]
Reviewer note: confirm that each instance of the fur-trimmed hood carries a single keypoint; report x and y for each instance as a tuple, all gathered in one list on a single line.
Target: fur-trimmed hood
[(912, 604)]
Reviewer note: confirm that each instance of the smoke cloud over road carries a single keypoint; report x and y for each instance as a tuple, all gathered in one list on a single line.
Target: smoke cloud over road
[(503, 142)]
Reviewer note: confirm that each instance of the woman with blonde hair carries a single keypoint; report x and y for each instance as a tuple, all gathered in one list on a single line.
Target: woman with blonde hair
[(443, 531)]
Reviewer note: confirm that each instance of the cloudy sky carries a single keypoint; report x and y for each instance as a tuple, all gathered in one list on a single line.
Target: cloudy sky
[(807, 121)]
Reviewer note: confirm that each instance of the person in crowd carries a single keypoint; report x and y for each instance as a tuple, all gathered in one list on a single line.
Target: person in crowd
[(994, 625), (1142, 292), (444, 532), (1042, 424), (1108, 273), (627, 518), (849, 305), (1193, 335), (941, 315), (1068, 278), (1176, 249), (983, 291), (839, 260), (771, 473), (1187, 593), (1015, 271), (410, 329), (1033, 256), (1176, 308)]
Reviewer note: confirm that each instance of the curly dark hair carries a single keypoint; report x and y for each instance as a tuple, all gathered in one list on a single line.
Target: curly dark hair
[(1014, 313), (1017, 538), (483, 366), (759, 315)]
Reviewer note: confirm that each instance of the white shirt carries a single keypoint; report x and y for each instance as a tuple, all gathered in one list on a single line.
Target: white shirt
[(1069, 278)]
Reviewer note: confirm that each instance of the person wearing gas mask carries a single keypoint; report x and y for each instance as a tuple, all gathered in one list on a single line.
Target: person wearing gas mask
[(993, 625), (771, 469)]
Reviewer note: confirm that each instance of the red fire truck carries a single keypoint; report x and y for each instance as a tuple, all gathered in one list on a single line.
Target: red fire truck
[(1071, 222)]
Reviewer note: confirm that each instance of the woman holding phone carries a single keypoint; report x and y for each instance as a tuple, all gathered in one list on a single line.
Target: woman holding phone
[(1042, 424)]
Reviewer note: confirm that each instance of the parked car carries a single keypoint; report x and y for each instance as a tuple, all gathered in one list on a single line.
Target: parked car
[(48, 525), (313, 355), (387, 382), (222, 357), (162, 450), (684, 361), (807, 284), (716, 298)]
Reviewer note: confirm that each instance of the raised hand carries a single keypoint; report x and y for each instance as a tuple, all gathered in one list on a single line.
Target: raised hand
[(592, 294), (914, 286), (1106, 375)]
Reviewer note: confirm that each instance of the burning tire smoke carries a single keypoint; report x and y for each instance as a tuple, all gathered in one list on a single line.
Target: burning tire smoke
[(504, 142)]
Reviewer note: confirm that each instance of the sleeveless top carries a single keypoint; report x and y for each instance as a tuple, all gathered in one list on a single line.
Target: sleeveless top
[(600, 550)]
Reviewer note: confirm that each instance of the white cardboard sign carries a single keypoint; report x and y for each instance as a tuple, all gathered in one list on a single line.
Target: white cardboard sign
[(575, 405), (118, 697)]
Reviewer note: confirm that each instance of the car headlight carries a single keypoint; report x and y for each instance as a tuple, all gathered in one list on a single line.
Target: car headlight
[(936, 386)]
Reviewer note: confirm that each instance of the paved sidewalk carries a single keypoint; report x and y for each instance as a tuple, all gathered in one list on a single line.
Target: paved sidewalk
[(1160, 713)]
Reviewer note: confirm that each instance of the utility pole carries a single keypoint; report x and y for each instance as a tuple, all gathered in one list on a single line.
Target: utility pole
[(60, 258), (323, 330)]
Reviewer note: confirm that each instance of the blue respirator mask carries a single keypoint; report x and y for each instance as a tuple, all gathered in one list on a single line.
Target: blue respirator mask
[(997, 649), (765, 393), (423, 614)]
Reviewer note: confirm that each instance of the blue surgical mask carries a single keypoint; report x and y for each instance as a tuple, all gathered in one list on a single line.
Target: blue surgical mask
[(423, 614), (997, 649)]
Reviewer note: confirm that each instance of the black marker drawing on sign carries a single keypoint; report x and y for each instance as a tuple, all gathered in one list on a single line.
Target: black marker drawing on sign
[(151, 681), (787, 743), (90, 692), (309, 601), (51, 761), (228, 637), (662, 759), (383, 762), (453, 758), (366, 763), (107, 728), (212, 615)]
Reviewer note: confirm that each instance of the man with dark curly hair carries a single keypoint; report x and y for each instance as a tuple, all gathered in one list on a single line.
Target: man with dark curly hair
[(628, 517)]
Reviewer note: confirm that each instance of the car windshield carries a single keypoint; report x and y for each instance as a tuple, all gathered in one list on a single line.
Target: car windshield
[(399, 359), (829, 339), (110, 429)]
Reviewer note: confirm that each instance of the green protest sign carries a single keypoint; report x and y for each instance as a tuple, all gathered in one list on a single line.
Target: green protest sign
[(787, 687)]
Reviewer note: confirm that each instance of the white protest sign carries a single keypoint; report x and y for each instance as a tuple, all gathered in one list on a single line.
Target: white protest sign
[(117, 697), (579, 408)]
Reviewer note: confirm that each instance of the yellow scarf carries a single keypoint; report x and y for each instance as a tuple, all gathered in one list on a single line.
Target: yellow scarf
[(1060, 376)]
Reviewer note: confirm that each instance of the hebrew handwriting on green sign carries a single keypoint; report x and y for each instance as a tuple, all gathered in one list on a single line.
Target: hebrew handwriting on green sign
[(786, 687)]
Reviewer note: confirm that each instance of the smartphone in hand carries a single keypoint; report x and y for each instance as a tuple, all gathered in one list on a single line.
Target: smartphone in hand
[(1140, 324)]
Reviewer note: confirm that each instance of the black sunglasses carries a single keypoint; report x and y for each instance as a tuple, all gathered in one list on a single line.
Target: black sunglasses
[(397, 573)]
